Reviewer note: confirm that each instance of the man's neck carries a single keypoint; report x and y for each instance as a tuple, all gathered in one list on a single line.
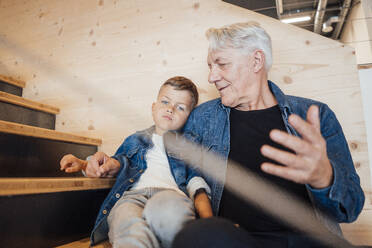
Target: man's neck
[(258, 97)]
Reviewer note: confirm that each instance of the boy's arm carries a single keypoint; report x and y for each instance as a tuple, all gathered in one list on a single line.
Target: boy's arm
[(202, 204), (99, 165), (69, 163)]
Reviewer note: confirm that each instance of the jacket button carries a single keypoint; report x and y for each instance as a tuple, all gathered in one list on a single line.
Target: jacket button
[(140, 171), (141, 157), (104, 211), (131, 180), (117, 195)]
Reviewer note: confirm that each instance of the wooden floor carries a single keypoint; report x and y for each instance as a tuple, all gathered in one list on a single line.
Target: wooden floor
[(84, 243)]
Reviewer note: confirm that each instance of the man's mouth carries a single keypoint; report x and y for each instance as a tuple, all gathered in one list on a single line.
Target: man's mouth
[(222, 88)]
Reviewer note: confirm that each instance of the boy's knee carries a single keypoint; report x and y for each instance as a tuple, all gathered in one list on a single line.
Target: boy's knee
[(169, 204), (166, 213)]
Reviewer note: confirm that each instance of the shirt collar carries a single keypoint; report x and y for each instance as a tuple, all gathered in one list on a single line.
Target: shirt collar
[(279, 96)]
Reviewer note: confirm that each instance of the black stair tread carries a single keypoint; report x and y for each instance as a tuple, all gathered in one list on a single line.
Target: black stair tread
[(27, 156), (22, 115), (26, 130), (49, 219), (12, 81), (17, 100), (10, 88), (23, 186)]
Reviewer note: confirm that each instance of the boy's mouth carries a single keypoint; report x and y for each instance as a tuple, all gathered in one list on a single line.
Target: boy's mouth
[(167, 117)]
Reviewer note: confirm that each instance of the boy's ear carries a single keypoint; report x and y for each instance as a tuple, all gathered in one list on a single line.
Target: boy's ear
[(153, 106)]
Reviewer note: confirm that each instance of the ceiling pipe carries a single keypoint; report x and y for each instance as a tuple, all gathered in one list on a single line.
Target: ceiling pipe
[(319, 15), (327, 26), (342, 16), (306, 11), (279, 8)]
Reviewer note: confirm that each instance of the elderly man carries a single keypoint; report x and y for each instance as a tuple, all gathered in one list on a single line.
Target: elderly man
[(295, 143)]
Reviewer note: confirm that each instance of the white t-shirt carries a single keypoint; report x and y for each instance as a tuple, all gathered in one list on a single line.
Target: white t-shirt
[(158, 173)]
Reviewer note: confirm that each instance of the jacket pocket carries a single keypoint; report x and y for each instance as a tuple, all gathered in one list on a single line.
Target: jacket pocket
[(134, 158)]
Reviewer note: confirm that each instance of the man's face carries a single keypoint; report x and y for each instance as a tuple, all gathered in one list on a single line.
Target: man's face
[(171, 109), (230, 71)]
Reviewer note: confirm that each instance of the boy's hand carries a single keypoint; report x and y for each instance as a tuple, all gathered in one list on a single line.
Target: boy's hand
[(101, 165), (203, 205), (69, 163)]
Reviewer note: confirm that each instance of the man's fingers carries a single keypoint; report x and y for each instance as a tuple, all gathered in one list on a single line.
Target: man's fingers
[(307, 131), (292, 142), (280, 156), (312, 117), (283, 172)]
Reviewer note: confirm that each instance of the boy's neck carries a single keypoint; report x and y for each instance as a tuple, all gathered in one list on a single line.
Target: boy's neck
[(159, 132)]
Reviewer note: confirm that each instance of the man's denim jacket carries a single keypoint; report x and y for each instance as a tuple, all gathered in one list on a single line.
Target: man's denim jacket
[(131, 155), (209, 125)]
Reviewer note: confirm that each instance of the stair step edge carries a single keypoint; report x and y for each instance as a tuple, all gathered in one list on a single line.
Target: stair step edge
[(17, 100), (26, 186), (13, 81), (38, 132)]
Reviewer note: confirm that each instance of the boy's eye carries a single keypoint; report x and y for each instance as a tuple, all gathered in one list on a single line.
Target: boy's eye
[(181, 108), (164, 102)]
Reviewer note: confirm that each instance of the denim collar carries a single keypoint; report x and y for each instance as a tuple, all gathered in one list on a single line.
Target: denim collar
[(279, 96)]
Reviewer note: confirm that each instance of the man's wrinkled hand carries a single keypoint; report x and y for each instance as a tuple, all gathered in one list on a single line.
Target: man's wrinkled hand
[(309, 164)]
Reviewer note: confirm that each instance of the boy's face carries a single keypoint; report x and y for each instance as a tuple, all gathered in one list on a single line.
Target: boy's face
[(171, 109)]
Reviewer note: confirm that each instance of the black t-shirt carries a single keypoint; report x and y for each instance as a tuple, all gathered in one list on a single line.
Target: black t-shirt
[(249, 130)]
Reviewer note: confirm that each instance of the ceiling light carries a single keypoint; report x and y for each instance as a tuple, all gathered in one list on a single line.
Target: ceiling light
[(296, 19)]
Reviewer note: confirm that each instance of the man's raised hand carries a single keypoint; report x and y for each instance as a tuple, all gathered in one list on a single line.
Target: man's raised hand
[(310, 163)]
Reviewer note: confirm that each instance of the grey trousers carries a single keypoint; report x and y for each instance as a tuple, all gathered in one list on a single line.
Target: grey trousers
[(148, 218)]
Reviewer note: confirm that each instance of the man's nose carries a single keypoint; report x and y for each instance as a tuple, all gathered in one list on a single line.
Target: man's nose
[(214, 76)]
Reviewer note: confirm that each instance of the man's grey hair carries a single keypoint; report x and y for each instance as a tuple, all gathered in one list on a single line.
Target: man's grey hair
[(248, 37)]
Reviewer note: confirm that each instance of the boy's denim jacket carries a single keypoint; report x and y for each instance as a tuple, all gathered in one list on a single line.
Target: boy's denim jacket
[(209, 125), (131, 155)]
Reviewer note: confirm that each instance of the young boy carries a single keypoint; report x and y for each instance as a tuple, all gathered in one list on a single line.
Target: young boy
[(148, 204)]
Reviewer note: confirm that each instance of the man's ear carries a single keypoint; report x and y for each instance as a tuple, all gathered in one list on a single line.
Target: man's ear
[(259, 60)]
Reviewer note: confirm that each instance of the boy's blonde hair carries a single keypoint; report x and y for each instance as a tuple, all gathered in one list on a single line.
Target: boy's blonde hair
[(182, 83)]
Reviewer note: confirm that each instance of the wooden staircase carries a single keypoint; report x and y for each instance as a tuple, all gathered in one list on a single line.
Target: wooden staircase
[(42, 206)]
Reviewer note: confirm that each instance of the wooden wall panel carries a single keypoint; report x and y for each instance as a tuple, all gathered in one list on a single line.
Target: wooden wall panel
[(101, 62), (357, 30)]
